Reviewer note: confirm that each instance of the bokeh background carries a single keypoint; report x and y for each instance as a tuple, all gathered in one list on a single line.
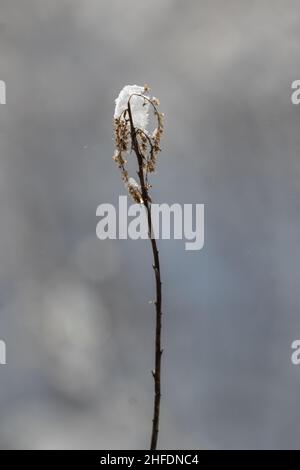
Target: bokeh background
[(74, 310)]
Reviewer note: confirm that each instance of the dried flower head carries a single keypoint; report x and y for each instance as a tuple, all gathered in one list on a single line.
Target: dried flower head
[(133, 108)]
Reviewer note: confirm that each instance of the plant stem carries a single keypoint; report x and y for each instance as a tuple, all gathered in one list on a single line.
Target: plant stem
[(156, 266)]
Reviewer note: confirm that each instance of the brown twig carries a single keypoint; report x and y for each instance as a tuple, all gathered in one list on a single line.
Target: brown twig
[(156, 266)]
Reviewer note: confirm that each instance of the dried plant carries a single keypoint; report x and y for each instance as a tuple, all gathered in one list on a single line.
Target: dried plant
[(134, 107)]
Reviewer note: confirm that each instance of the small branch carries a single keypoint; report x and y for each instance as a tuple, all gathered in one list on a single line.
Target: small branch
[(156, 266)]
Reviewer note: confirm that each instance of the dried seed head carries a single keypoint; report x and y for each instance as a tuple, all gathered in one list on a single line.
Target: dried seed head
[(141, 106)]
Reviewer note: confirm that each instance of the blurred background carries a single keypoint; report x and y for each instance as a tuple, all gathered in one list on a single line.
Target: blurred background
[(74, 310)]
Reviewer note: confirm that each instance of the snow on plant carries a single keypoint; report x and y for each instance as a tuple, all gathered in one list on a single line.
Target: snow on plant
[(133, 112), (131, 119)]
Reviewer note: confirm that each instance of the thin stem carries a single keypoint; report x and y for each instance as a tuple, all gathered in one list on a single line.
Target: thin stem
[(156, 266)]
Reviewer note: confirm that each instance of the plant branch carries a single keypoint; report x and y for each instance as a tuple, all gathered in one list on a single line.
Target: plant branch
[(156, 266)]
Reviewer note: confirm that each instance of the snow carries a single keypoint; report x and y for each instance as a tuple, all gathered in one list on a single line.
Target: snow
[(132, 182), (139, 106)]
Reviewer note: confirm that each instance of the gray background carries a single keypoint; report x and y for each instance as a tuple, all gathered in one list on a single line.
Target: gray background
[(74, 310)]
